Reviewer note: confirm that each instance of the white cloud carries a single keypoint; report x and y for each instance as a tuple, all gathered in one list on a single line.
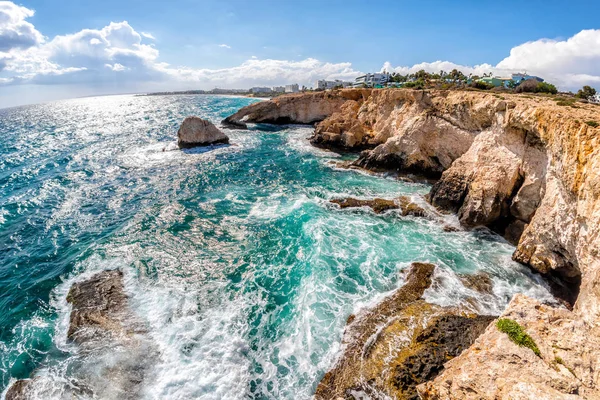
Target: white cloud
[(116, 67), (15, 32), (116, 55), (148, 35)]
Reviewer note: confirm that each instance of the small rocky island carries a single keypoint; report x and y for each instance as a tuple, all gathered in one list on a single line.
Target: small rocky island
[(195, 132), (523, 166)]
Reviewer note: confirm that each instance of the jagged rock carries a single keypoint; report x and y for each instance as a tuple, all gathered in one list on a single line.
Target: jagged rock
[(398, 344), (195, 131), (378, 205), (404, 203), (19, 390), (408, 207), (305, 108), (480, 282), (99, 308), (117, 353), (445, 337), (496, 368)]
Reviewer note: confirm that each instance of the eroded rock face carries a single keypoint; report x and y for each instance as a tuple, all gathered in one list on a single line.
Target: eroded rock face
[(496, 368), (401, 342), (524, 167), (303, 108), (195, 131)]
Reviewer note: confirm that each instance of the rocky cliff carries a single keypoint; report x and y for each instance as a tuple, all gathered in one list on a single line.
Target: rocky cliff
[(525, 166), (302, 108)]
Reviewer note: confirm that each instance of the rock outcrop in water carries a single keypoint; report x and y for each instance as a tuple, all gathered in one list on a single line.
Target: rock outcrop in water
[(114, 354), (398, 344), (195, 131), (403, 203), (524, 166)]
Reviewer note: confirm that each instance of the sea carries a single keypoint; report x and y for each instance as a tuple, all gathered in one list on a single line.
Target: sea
[(241, 270)]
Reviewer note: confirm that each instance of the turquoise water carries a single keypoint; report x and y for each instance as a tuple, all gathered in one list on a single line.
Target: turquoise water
[(234, 258)]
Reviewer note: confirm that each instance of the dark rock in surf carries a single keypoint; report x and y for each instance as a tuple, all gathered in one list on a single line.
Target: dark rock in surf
[(99, 307), (421, 336), (403, 203)]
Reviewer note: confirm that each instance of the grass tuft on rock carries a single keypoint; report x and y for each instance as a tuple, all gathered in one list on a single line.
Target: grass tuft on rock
[(517, 334), (593, 124)]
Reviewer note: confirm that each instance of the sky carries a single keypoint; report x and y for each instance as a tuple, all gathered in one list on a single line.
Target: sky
[(51, 49)]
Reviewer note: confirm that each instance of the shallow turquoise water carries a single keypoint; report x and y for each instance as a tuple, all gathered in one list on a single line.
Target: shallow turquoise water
[(234, 258)]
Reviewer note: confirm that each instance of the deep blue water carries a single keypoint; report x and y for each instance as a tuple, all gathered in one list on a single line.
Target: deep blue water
[(233, 257)]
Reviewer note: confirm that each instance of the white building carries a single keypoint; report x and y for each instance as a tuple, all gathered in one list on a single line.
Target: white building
[(292, 88), (278, 89), (324, 84), (260, 90), (378, 78)]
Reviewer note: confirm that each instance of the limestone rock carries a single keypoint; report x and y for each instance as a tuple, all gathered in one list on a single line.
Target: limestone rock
[(195, 131), (480, 282), (378, 205), (302, 108), (99, 307), (19, 390), (403, 203), (496, 368)]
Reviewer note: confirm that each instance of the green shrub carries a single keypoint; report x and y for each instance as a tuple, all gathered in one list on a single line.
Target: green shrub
[(565, 101), (593, 124), (587, 93), (545, 87), (481, 85), (418, 84), (533, 86), (517, 334)]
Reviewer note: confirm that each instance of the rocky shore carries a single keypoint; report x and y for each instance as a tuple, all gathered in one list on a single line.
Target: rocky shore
[(114, 352), (523, 166)]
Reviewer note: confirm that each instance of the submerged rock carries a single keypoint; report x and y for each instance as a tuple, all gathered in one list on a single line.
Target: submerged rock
[(480, 282), (19, 390), (195, 131), (401, 342), (114, 355), (99, 308)]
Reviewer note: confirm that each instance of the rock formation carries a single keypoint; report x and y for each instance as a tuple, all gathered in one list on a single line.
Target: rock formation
[(402, 203), (402, 342), (113, 353), (295, 108), (195, 131)]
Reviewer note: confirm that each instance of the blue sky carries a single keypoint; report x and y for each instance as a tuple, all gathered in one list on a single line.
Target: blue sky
[(74, 50)]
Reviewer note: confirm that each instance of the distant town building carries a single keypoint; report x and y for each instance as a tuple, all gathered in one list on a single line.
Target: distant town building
[(372, 80), (292, 88), (518, 78), (514, 80), (278, 89), (260, 90), (324, 84)]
